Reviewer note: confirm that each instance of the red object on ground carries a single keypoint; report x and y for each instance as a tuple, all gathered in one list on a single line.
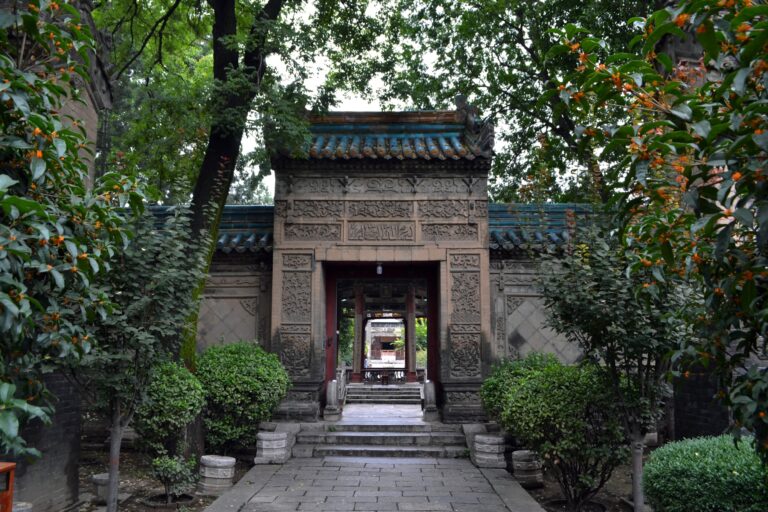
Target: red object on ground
[(7, 471)]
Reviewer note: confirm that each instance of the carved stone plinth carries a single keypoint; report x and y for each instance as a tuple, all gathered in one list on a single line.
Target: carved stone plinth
[(216, 474)]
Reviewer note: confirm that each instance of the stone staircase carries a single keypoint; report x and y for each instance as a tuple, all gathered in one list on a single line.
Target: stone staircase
[(380, 394), (433, 440)]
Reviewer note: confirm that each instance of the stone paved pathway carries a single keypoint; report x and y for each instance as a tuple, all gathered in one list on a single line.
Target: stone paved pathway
[(376, 484)]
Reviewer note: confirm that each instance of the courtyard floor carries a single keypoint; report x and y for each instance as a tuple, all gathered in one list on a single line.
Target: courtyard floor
[(376, 484)]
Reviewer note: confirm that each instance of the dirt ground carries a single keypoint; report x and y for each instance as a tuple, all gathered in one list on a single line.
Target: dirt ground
[(619, 486), (134, 481)]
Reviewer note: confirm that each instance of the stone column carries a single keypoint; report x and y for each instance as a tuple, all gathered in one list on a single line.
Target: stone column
[(357, 351), (410, 334)]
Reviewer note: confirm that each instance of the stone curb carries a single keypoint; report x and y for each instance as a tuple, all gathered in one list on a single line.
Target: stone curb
[(510, 491), (237, 496)]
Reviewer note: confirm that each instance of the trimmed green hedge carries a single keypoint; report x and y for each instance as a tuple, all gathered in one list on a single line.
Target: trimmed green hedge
[(174, 398), (504, 376), (706, 474), (243, 386)]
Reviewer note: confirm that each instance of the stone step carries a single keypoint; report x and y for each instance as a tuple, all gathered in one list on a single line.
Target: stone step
[(383, 401), (388, 428), (383, 438), (389, 451)]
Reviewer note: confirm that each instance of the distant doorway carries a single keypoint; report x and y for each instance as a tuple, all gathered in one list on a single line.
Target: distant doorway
[(382, 323)]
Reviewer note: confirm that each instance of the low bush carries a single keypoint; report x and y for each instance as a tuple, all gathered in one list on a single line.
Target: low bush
[(706, 474), (568, 416), (243, 385), (503, 378), (174, 399), (175, 473)]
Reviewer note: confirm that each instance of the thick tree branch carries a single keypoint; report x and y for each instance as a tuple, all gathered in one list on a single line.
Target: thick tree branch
[(159, 24)]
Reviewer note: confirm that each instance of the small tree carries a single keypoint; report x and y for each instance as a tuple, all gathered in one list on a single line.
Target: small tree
[(567, 414), (696, 200), (151, 285), (629, 328), (174, 399), (56, 233)]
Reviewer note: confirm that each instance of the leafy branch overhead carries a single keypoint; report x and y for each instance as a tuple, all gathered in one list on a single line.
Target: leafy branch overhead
[(694, 199)]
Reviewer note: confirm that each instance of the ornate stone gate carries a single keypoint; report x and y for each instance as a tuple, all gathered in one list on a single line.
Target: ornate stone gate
[(390, 189)]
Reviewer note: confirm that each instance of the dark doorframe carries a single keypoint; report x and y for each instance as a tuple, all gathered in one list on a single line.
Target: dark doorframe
[(391, 270)]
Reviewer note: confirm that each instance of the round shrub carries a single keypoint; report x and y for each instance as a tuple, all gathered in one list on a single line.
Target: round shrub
[(174, 399), (567, 415), (503, 377), (706, 474), (243, 386)]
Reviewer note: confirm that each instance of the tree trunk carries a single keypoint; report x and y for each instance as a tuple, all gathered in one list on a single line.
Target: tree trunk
[(115, 440), (218, 167), (638, 446)]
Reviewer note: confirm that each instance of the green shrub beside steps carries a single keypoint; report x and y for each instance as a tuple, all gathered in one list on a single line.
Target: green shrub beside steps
[(706, 474), (566, 414), (243, 386)]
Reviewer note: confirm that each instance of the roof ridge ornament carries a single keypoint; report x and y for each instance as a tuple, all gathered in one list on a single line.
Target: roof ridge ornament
[(479, 132)]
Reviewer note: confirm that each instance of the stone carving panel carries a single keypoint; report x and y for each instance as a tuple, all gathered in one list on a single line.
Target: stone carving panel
[(465, 296), (513, 303), (501, 334), (465, 355), (313, 232), (317, 209), (463, 396), (380, 209), (465, 328), (481, 208), (300, 396), (281, 209), (440, 232), (297, 261), (391, 185), (443, 209), (297, 297), (296, 353), (465, 262), (250, 305), (381, 231)]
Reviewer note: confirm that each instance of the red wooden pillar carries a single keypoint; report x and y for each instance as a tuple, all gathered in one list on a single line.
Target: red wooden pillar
[(358, 348), (410, 335)]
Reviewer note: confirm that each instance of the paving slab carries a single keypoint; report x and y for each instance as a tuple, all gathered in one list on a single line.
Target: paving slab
[(376, 484)]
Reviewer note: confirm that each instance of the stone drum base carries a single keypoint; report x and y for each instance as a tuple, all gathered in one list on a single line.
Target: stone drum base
[(216, 474)]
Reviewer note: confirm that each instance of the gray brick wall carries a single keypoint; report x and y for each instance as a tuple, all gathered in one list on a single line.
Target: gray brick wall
[(51, 483)]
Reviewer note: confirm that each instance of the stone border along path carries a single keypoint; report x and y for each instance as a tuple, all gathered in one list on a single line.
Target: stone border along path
[(375, 484)]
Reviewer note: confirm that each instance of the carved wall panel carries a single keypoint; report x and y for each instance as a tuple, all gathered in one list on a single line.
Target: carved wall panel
[(297, 297), (380, 209), (465, 296), (443, 209), (391, 185), (512, 303), (381, 231), (297, 261), (465, 262), (296, 352), (441, 232), (501, 334), (250, 305), (312, 232), (465, 355), (481, 208), (317, 209), (281, 209), (463, 396)]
